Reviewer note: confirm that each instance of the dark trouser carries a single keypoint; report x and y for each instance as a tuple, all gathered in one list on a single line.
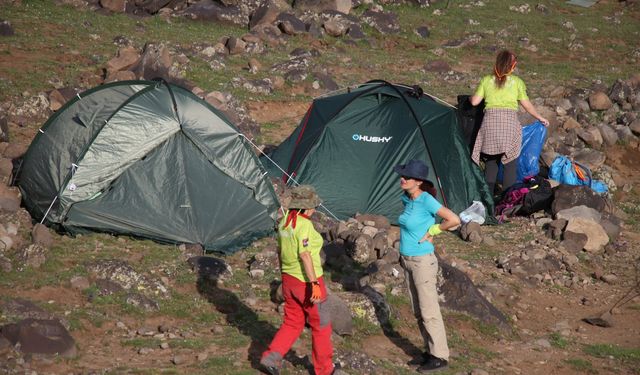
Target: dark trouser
[(509, 174)]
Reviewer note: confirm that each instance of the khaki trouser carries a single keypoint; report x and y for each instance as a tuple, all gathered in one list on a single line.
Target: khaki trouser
[(421, 274)]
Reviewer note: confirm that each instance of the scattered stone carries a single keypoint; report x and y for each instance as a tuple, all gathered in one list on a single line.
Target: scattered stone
[(599, 101), (41, 236), (6, 29), (33, 255), (609, 278), (79, 283), (423, 32), (472, 232)]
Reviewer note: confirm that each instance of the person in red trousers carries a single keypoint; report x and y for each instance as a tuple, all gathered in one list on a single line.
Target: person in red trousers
[(302, 286)]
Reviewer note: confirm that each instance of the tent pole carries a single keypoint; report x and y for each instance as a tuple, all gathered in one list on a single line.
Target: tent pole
[(48, 209)]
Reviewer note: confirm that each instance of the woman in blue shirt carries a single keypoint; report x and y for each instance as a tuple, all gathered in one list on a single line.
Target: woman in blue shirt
[(417, 228)]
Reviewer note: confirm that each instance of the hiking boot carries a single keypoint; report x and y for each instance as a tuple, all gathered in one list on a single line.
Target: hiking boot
[(433, 364), (271, 363)]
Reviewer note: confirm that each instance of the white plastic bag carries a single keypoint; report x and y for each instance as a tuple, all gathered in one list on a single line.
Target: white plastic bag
[(476, 212)]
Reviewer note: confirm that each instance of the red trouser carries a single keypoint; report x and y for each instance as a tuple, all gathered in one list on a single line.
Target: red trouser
[(297, 309)]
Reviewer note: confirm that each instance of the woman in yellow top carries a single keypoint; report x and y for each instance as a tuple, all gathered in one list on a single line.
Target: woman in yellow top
[(500, 135), (302, 286)]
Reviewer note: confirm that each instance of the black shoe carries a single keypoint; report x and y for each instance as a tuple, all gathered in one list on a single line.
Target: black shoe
[(433, 364), (417, 361), (270, 370)]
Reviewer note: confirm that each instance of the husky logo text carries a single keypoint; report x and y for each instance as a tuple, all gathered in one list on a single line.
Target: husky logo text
[(368, 138)]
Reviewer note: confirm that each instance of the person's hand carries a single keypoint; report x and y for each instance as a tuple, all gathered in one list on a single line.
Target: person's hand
[(544, 121), (426, 237), (433, 231), (316, 292)]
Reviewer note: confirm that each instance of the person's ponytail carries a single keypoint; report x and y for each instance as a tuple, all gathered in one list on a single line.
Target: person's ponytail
[(505, 64)]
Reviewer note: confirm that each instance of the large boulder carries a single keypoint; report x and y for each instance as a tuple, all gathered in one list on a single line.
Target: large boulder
[(597, 237), (567, 196), (460, 294), (338, 310), (40, 336)]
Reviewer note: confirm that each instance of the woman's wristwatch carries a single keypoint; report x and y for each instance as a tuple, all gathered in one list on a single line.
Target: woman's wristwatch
[(316, 282)]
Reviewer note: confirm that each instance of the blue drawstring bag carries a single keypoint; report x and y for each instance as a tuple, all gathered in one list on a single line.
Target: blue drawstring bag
[(533, 136), (566, 172)]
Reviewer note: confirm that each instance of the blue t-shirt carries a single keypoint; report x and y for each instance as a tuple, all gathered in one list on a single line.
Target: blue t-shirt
[(418, 215)]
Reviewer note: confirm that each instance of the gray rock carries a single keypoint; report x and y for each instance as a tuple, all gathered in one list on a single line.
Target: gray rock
[(122, 273), (326, 81), (79, 283), (609, 135), (206, 10), (338, 310), (621, 92), (460, 294), (579, 211), (612, 225), (40, 336), (106, 288), (317, 6), (635, 127), (590, 158), (471, 231), (591, 136), (359, 247), (355, 32), (235, 45), (267, 12), (19, 309), (423, 31), (335, 28), (142, 301), (384, 22), (380, 221), (290, 24), (33, 255)]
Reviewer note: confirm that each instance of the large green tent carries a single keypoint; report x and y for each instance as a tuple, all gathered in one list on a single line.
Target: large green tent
[(151, 160), (347, 144)]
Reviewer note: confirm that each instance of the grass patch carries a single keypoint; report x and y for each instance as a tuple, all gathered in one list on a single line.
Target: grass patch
[(364, 327), (581, 365), (558, 341), (630, 355)]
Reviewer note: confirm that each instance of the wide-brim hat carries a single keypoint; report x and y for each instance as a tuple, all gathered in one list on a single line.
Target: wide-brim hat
[(304, 197), (414, 168)]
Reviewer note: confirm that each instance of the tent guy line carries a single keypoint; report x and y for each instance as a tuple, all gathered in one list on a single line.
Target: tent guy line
[(289, 177)]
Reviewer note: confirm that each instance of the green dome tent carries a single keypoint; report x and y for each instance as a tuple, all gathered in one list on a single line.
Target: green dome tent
[(347, 144), (151, 160)]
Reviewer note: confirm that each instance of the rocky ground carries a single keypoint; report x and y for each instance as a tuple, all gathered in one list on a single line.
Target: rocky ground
[(554, 292)]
